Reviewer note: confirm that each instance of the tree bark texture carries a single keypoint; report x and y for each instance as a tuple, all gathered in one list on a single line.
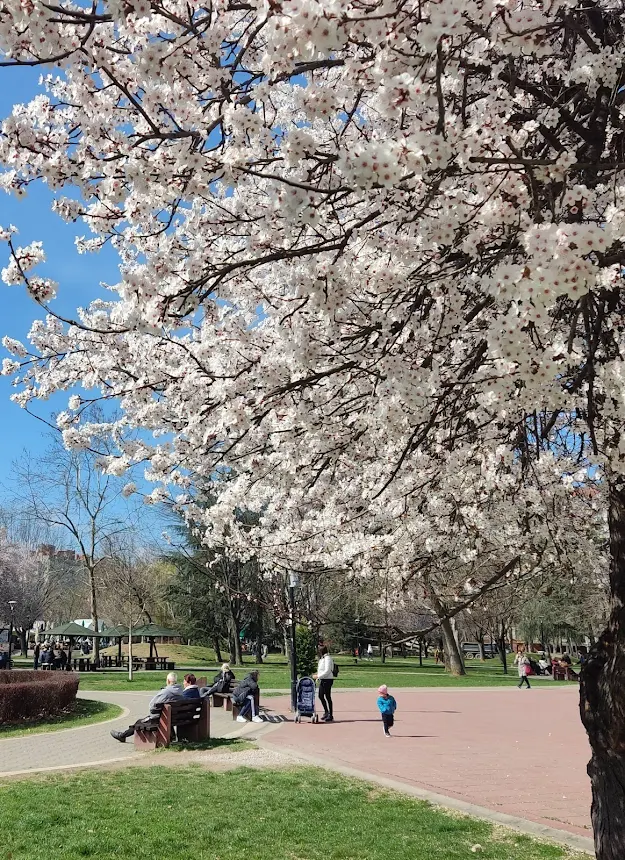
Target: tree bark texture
[(217, 646), (602, 699), (453, 658)]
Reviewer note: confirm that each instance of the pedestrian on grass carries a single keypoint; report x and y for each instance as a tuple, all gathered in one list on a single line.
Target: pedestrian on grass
[(36, 653), (387, 707), (325, 676), (523, 665)]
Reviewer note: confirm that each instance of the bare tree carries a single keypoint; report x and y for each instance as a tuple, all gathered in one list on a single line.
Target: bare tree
[(25, 581), (68, 492)]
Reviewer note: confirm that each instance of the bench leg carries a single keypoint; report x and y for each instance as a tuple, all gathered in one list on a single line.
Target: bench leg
[(145, 740)]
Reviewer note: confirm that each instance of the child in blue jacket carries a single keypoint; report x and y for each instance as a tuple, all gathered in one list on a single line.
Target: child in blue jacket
[(387, 706)]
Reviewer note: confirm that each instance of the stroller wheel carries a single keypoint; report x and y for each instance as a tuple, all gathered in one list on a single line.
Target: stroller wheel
[(315, 719), (298, 719)]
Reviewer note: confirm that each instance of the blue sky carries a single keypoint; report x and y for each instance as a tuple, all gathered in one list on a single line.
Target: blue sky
[(78, 277)]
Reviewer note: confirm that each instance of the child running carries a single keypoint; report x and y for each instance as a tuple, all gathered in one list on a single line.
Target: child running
[(387, 706)]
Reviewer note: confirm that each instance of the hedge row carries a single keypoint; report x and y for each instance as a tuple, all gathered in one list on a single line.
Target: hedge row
[(33, 695)]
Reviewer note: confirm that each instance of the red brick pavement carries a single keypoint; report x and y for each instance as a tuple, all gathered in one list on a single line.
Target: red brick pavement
[(521, 752)]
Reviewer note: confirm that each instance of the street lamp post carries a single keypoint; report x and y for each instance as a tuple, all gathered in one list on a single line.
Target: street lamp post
[(12, 611), (293, 583)]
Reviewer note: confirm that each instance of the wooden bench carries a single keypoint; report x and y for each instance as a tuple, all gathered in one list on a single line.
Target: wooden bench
[(190, 718), (560, 673), (224, 700)]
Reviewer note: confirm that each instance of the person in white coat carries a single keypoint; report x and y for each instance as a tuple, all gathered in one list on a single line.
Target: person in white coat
[(325, 676), (523, 665)]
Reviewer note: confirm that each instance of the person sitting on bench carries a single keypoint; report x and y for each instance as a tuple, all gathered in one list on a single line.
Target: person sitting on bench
[(172, 692), (243, 696), (190, 687), (221, 682)]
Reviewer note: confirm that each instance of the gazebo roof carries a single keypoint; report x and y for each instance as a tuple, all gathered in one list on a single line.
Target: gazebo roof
[(71, 629), (151, 630), (117, 632)]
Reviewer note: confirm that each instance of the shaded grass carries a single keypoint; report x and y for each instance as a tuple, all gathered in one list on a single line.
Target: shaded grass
[(231, 745), (295, 814), (82, 713)]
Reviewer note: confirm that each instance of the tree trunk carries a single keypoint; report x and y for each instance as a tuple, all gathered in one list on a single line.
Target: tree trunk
[(217, 647), (480, 642), (502, 649), (94, 616), (602, 699), (236, 656), (259, 635), (23, 634), (453, 658), (382, 652), (286, 638)]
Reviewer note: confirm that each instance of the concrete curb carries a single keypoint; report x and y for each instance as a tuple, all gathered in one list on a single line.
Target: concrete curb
[(530, 828)]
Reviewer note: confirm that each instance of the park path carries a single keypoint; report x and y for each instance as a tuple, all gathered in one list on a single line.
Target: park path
[(87, 745), (518, 752)]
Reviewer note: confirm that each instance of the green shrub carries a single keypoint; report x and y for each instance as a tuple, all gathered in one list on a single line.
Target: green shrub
[(29, 695), (306, 650)]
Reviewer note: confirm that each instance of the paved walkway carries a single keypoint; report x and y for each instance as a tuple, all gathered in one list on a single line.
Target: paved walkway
[(518, 752), (87, 745), (507, 752)]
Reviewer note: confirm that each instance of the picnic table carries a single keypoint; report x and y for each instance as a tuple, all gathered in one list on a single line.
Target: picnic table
[(150, 663)]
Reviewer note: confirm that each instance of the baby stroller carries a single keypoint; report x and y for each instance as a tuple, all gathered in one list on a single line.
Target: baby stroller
[(306, 700)]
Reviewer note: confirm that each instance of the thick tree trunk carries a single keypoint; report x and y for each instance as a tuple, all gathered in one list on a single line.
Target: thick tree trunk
[(382, 651), (217, 647), (23, 634), (602, 699), (453, 658)]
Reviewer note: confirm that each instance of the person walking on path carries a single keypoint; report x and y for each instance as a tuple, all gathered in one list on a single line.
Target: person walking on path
[(36, 654), (325, 676), (171, 693), (387, 707), (523, 665)]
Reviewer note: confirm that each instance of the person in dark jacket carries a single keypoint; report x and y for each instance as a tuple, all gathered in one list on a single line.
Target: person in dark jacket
[(190, 687), (36, 653), (172, 692), (221, 682), (243, 696)]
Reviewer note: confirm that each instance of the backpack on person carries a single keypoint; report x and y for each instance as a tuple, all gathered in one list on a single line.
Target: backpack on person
[(335, 670)]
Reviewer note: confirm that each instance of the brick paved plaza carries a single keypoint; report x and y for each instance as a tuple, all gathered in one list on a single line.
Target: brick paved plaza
[(520, 752)]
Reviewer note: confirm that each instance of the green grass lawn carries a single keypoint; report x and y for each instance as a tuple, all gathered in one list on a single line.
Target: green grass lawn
[(182, 813), (84, 712), (367, 674)]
